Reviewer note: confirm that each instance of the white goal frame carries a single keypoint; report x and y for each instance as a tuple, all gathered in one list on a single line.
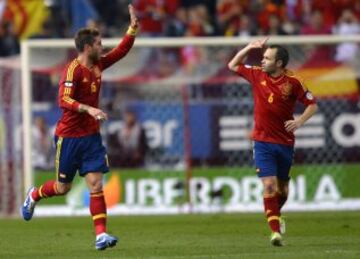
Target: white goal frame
[(28, 45)]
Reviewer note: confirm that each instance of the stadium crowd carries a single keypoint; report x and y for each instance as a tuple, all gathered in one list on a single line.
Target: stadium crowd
[(181, 18)]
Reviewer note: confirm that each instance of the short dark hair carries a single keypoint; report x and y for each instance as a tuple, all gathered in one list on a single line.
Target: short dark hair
[(281, 54), (85, 36)]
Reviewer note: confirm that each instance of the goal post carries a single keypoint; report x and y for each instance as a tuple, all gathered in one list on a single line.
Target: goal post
[(328, 139)]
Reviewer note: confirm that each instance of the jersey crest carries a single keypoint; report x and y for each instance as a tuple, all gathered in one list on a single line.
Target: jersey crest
[(286, 90)]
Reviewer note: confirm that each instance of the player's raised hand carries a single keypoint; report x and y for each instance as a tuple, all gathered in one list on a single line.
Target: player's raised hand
[(134, 23), (258, 44)]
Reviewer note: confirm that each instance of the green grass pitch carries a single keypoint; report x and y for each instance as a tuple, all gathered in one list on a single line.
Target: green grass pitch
[(224, 236)]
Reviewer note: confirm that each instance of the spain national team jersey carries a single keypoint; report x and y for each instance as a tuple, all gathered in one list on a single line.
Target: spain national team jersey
[(274, 103), (79, 84)]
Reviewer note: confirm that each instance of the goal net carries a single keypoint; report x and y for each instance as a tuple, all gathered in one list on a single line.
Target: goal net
[(10, 121), (197, 117)]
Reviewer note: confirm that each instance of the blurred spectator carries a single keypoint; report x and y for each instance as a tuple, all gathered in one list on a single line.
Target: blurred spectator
[(347, 25), (290, 27), (9, 43), (41, 145), (131, 143), (316, 25), (99, 25), (263, 10), (198, 22), (330, 10), (204, 16), (153, 15), (176, 27), (320, 55), (59, 18), (275, 26), (113, 13), (228, 16), (294, 10), (210, 4), (246, 26)]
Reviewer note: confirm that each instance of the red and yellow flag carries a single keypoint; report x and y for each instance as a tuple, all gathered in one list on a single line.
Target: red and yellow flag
[(27, 16)]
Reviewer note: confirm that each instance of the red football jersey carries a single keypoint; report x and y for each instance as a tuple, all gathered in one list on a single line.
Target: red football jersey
[(274, 103), (79, 84)]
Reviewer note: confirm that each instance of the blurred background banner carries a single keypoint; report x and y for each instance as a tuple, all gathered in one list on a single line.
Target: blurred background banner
[(332, 132)]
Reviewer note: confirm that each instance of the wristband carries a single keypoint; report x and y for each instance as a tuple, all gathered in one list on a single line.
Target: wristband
[(132, 31)]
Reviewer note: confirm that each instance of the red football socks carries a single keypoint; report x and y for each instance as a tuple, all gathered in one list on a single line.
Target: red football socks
[(98, 211), (272, 213), (46, 190)]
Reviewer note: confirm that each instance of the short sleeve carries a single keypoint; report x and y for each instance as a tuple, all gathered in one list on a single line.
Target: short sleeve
[(250, 73), (302, 93)]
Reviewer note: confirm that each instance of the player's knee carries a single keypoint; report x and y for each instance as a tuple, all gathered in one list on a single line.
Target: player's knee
[(95, 186), (62, 188), (270, 186), (269, 189), (283, 191)]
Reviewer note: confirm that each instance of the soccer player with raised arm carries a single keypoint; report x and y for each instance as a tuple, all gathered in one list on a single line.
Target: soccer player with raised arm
[(78, 141), (275, 92)]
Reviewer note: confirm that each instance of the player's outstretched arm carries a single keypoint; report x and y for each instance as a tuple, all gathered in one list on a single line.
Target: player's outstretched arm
[(292, 125), (241, 55), (134, 23), (125, 45)]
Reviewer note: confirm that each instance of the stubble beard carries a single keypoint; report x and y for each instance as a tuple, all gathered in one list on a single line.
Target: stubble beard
[(94, 57)]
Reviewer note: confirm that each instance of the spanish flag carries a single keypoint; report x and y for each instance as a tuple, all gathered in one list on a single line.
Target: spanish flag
[(27, 16)]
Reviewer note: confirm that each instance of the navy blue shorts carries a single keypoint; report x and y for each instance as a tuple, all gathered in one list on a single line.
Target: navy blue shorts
[(273, 159), (84, 154)]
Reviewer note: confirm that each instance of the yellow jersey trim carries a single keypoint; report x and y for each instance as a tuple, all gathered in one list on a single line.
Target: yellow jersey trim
[(290, 73), (57, 157), (71, 69)]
